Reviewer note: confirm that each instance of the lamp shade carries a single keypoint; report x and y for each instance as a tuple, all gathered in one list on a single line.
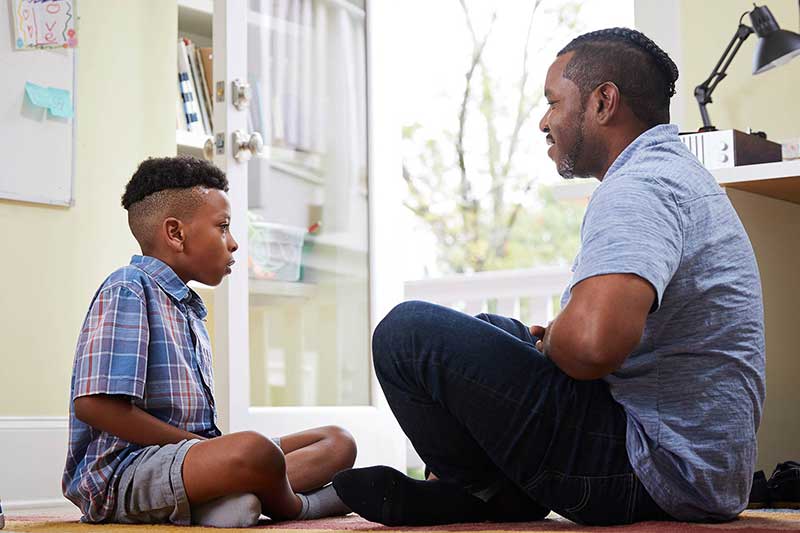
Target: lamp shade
[(775, 46)]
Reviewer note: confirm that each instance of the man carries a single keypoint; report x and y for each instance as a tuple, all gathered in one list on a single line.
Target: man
[(641, 400)]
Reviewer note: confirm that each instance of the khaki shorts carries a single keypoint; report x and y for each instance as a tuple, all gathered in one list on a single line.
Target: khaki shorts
[(151, 491)]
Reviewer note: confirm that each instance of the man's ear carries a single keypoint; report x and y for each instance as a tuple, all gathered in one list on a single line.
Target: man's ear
[(175, 233), (607, 102)]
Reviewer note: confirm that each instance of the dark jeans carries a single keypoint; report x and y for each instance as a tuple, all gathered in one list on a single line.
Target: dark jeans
[(482, 406)]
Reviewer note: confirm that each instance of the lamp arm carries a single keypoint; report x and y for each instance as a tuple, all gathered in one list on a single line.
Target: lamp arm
[(702, 92)]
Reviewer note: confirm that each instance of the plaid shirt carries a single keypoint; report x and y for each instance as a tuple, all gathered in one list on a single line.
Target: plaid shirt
[(144, 337)]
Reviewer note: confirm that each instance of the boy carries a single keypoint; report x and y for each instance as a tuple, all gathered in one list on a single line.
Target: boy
[(144, 445)]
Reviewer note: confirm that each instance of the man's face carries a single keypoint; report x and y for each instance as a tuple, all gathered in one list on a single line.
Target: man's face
[(208, 244), (563, 121)]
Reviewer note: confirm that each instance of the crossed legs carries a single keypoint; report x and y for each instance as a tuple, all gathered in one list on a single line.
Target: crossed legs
[(248, 462)]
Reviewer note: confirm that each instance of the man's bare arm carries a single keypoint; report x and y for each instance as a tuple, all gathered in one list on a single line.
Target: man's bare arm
[(600, 326), (118, 416)]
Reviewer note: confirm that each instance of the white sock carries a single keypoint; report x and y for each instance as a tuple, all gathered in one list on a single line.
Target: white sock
[(321, 503), (236, 510)]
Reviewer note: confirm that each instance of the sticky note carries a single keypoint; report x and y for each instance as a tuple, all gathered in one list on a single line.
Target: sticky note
[(39, 96), (60, 102)]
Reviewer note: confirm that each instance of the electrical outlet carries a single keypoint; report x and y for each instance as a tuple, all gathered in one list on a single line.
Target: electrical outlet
[(791, 149)]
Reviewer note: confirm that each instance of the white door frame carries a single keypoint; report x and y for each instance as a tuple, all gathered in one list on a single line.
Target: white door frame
[(379, 439)]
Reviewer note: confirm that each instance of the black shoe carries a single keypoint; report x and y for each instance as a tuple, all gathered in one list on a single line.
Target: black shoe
[(759, 492), (784, 486), (382, 494)]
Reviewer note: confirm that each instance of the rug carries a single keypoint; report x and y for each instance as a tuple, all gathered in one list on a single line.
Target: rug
[(749, 521)]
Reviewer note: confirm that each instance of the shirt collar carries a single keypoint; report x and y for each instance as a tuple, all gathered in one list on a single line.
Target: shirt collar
[(656, 135), (168, 280)]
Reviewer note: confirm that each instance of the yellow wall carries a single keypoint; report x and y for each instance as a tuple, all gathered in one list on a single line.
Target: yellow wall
[(766, 102), (55, 258)]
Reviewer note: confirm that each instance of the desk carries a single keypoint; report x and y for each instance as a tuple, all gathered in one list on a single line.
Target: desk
[(767, 198)]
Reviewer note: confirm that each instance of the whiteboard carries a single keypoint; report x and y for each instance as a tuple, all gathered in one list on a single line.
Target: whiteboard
[(37, 149)]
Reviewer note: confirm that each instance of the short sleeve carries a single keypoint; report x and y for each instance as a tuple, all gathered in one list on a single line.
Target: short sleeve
[(632, 226), (111, 357)]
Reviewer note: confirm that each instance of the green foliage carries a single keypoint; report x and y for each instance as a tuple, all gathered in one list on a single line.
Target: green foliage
[(475, 196)]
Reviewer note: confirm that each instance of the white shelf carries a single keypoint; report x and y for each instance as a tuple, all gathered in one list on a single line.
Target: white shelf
[(267, 291), (763, 171), (191, 143), (774, 180), (339, 241), (190, 140), (296, 289)]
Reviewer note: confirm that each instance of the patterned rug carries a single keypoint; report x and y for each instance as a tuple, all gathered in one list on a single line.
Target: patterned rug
[(749, 521)]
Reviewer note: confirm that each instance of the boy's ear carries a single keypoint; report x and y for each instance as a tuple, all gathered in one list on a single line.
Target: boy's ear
[(175, 233)]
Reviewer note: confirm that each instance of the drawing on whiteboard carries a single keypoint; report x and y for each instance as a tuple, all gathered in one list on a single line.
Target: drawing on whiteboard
[(44, 24)]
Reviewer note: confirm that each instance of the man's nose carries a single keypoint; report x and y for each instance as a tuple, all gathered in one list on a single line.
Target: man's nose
[(544, 126), (233, 245)]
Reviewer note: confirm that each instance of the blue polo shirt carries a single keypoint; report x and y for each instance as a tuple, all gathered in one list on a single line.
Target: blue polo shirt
[(144, 338), (693, 389)]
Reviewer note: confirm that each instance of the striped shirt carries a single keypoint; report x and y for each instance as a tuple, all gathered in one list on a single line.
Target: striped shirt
[(144, 338)]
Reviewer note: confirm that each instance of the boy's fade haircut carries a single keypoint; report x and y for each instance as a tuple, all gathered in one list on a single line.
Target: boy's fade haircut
[(644, 73), (167, 187)]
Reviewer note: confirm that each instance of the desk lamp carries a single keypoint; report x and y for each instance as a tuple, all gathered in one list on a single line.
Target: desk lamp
[(775, 47)]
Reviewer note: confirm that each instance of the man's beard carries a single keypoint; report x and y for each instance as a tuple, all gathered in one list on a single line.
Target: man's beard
[(566, 166)]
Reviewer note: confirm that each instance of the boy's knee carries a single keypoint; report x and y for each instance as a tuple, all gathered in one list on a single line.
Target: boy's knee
[(253, 451), (343, 445)]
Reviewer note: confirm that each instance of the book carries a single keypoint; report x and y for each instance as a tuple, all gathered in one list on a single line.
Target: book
[(198, 87), (205, 87), (190, 108), (180, 112), (208, 71)]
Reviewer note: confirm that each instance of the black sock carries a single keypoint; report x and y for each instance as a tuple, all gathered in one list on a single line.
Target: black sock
[(382, 494), (512, 504)]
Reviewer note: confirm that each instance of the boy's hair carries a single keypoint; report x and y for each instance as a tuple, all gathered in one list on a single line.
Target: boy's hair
[(644, 73), (167, 187)]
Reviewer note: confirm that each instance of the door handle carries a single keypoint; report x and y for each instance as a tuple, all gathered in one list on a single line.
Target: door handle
[(246, 146)]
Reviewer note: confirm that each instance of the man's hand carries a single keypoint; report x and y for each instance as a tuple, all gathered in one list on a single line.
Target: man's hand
[(599, 327), (539, 332)]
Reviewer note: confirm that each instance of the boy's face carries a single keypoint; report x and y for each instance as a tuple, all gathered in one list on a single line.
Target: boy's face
[(209, 245)]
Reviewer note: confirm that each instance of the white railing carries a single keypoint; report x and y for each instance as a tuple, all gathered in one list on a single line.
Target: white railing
[(531, 295)]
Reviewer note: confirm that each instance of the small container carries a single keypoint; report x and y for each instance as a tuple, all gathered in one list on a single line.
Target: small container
[(276, 251)]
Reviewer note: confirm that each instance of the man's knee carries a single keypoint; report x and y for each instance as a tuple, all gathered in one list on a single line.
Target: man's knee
[(395, 328)]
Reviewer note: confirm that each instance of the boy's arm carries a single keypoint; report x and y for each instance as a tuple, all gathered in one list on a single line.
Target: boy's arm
[(118, 416)]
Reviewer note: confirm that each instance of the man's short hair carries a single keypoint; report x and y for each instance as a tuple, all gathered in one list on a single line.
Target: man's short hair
[(167, 187), (644, 73)]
